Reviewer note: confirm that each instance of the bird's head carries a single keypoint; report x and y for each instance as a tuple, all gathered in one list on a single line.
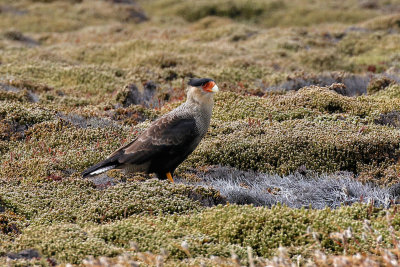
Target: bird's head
[(204, 84), (202, 90)]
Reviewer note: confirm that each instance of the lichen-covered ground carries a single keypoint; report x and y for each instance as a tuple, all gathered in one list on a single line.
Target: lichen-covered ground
[(308, 116)]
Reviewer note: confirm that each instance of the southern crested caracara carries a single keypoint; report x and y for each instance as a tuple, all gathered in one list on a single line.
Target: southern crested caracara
[(169, 140)]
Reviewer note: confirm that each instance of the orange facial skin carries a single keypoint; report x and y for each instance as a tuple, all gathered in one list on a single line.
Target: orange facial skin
[(208, 86)]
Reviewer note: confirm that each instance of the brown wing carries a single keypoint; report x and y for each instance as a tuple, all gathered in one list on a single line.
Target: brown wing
[(168, 135)]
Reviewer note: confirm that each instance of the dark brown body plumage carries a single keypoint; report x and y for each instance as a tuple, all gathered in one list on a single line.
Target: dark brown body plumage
[(167, 142)]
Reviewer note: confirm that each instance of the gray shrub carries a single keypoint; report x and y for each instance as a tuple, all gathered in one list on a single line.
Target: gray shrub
[(296, 190)]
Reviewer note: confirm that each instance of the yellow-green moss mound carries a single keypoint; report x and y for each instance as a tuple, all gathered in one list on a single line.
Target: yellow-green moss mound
[(217, 231), (326, 146), (77, 201)]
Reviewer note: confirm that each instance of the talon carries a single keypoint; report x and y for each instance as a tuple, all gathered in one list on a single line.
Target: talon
[(169, 176)]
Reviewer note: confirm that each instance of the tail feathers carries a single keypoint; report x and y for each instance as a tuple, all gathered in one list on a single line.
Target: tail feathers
[(113, 161), (99, 168)]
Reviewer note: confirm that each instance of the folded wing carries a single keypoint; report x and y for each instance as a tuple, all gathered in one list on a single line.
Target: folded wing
[(170, 138)]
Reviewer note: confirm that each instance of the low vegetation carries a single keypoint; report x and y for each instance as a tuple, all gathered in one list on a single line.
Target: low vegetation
[(310, 99)]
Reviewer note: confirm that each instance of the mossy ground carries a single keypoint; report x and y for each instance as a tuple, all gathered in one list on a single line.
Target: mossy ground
[(65, 65)]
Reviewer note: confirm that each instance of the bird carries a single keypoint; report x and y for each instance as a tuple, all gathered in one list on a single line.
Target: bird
[(169, 140)]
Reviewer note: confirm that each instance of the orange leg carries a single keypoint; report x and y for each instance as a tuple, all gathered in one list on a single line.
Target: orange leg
[(169, 176)]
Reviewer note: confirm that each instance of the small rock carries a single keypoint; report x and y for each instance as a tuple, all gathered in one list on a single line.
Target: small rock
[(131, 95), (369, 4), (24, 254), (19, 37), (132, 9), (149, 91), (390, 119), (339, 88)]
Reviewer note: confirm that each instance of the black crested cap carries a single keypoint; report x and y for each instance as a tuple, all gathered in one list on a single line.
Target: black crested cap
[(199, 82)]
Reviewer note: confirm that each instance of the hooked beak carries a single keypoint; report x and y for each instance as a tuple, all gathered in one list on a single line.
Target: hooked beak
[(215, 89)]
